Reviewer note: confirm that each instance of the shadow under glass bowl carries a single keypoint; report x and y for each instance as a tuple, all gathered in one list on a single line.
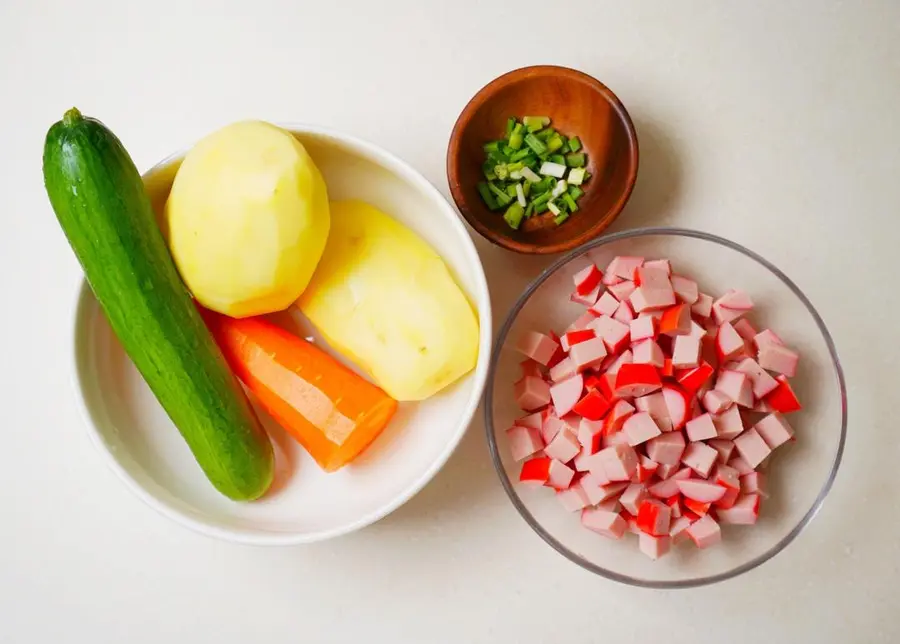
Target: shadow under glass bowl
[(798, 475)]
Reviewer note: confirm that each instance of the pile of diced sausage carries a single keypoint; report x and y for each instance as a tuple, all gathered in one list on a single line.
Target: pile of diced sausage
[(654, 410)]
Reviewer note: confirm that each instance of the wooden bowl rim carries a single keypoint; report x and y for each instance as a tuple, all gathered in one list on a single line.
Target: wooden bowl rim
[(483, 96)]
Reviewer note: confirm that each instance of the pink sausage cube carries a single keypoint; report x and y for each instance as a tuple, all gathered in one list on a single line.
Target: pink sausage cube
[(705, 532), (552, 426), (535, 420), (655, 405), (729, 343), (666, 450), (632, 497), (668, 488), (701, 428), (648, 352), (644, 298), (642, 329), (761, 382), (622, 290), (653, 277), (729, 423), (715, 402), (588, 430), (588, 354), (561, 475), (686, 290), (727, 476), (599, 493), (660, 263), (566, 393), (703, 306), (745, 329), (640, 428), (765, 337), (736, 299), (654, 547), (666, 471), (742, 466), (582, 461), (624, 358), (563, 370), (532, 393), (700, 457), (624, 314), (617, 463), (745, 511), (723, 447), (530, 368), (625, 266), (779, 358), (753, 483), (678, 531), (587, 299), (564, 447), (614, 333), (608, 524), (686, 351), (752, 448), (574, 498), (606, 305), (523, 441), (701, 491), (775, 430), (581, 322), (538, 347), (737, 386), (611, 440)]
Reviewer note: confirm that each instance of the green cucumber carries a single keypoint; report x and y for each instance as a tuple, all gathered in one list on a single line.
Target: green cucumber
[(101, 204)]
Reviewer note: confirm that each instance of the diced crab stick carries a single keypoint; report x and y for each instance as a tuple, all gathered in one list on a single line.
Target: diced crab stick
[(782, 398), (625, 357), (588, 354), (587, 279), (645, 298), (614, 420), (558, 354), (642, 329), (697, 508), (692, 379), (753, 483), (640, 428), (622, 290), (574, 498), (566, 393), (700, 457), (701, 491), (605, 305), (563, 370), (775, 430), (653, 546), (637, 380), (686, 351), (532, 393), (737, 386), (727, 477), (663, 264), (530, 368), (551, 426), (674, 503), (715, 402), (728, 499), (745, 329), (729, 423), (624, 314), (729, 343), (745, 511), (685, 289), (560, 475), (676, 320), (589, 432), (702, 308), (615, 334), (593, 405), (752, 448), (762, 383), (667, 448), (535, 471), (652, 277), (701, 428), (678, 405), (587, 299), (777, 357), (617, 463), (736, 299), (648, 352), (538, 347), (654, 517), (608, 524), (571, 338), (764, 337), (723, 446), (645, 471), (632, 497), (668, 488), (564, 446), (705, 532), (523, 441), (625, 266)]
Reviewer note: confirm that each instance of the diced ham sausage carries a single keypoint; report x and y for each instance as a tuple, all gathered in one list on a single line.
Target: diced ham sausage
[(523, 441), (560, 475), (581, 322), (538, 347), (686, 351), (566, 393), (617, 463), (737, 386), (752, 448), (532, 393), (588, 354), (729, 424), (775, 430), (640, 427), (642, 329), (753, 483), (742, 466), (632, 497), (563, 370), (715, 402), (762, 383), (623, 313), (723, 446), (615, 335), (686, 289), (745, 329), (678, 531), (574, 498), (653, 546), (644, 298), (700, 457), (564, 446), (779, 358), (609, 524), (551, 426), (745, 511), (606, 305), (705, 532), (703, 306), (667, 448), (622, 290), (664, 264), (625, 267), (648, 352), (767, 336), (652, 277), (701, 428)]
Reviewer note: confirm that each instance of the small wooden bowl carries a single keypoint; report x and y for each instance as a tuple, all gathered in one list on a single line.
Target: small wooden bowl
[(578, 105)]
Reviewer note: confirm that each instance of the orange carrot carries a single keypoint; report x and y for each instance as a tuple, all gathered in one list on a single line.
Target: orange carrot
[(332, 411)]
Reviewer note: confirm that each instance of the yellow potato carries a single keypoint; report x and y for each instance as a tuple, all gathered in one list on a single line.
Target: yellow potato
[(247, 219), (384, 299)]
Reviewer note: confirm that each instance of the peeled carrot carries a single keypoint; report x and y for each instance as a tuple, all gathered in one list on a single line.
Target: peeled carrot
[(331, 410)]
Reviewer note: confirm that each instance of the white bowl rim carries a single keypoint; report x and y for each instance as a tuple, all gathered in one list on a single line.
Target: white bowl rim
[(250, 536)]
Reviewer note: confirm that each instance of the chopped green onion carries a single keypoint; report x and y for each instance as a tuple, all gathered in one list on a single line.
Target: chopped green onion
[(535, 123), (520, 195), (485, 193), (512, 167), (530, 175), (510, 125), (543, 135), (552, 169), (535, 144), (560, 218), (565, 146), (554, 208), (513, 215), (575, 160), (526, 188), (516, 138), (574, 144), (558, 158), (502, 198), (570, 202), (547, 184), (554, 143), (488, 170), (539, 208), (520, 155), (515, 175), (576, 176), (493, 146), (539, 201), (575, 192), (529, 210), (559, 189), (587, 175)]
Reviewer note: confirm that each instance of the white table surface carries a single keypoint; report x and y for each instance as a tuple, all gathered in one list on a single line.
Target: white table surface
[(776, 126)]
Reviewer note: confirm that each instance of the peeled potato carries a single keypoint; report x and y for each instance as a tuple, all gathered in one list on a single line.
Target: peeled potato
[(247, 219), (384, 299)]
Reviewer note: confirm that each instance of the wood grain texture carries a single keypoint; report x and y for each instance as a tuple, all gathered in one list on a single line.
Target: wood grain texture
[(578, 105)]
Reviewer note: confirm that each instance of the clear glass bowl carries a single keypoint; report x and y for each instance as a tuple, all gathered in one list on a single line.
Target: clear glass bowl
[(799, 474)]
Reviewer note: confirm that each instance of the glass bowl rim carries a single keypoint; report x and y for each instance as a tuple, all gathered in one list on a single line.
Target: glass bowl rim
[(508, 485)]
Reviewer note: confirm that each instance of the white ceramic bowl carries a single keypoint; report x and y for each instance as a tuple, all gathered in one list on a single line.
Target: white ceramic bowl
[(144, 448)]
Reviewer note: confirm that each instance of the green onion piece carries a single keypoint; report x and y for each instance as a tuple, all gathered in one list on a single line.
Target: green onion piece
[(488, 171), (497, 157), (540, 201), (559, 188), (493, 146), (501, 170), (510, 125), (576, 176), (560, 218), (539, 208), (526, 188), (554, 143), (520, 155), (535, 123), (531, 175), (515, 175), (575, 160), (536, 145), (574, 144), (512, 167), (529, 210), (552, 169), (516, 138), (503, 199), (587, 175), (486, 195), (565, 146), (513, 216), (511, 190), (508, 151), (543, 135), (554, 208), (575, 192), (558, 158), (570, 202), (520, 195)]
